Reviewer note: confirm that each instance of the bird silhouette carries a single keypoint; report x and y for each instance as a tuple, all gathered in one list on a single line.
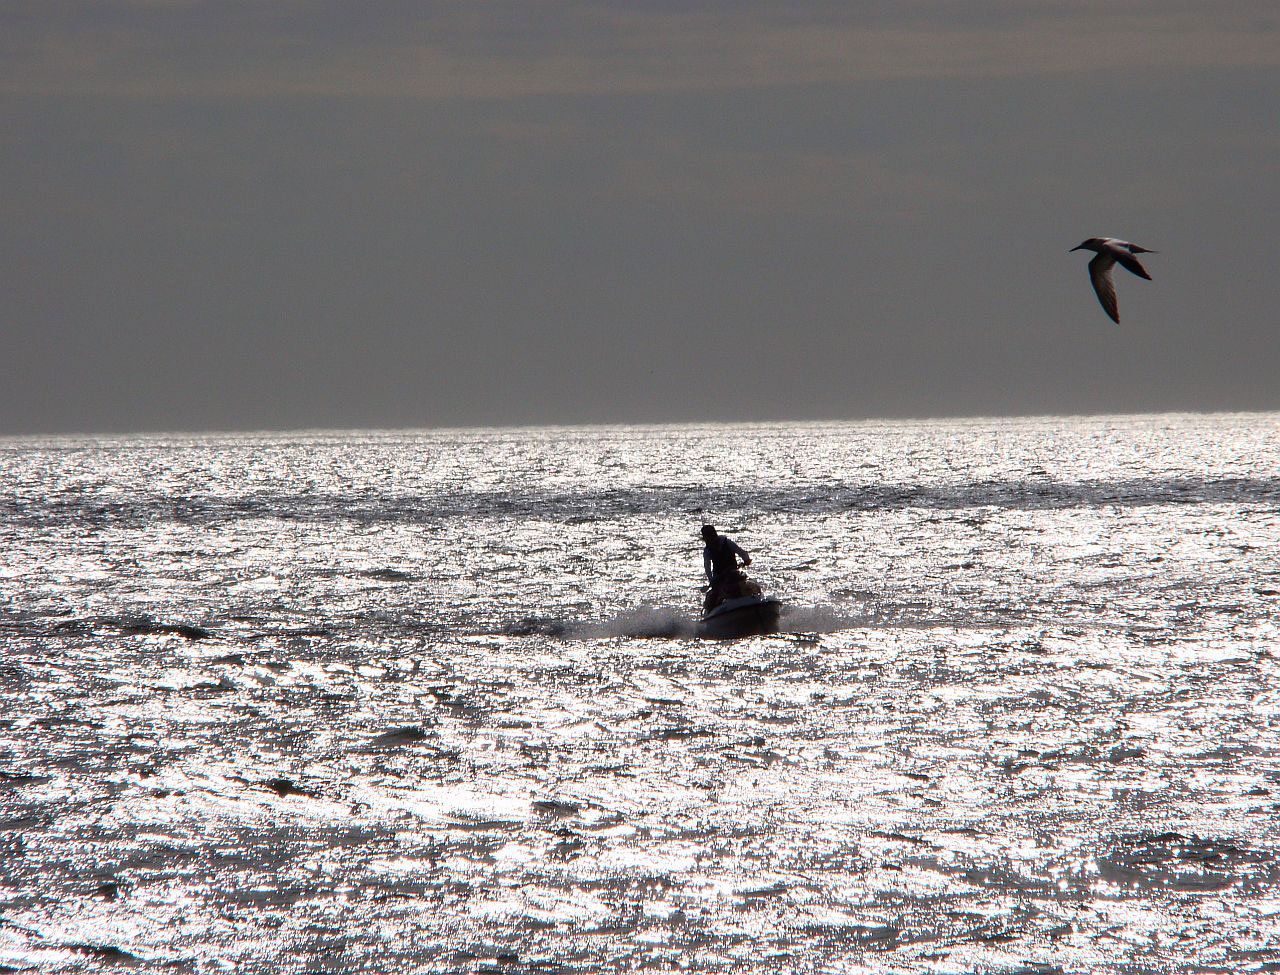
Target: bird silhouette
[(1111, 252)]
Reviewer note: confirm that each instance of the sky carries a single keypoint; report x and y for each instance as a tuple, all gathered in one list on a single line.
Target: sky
[(301, 214)]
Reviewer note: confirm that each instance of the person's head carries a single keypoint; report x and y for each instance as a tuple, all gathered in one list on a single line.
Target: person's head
[(708, 533)]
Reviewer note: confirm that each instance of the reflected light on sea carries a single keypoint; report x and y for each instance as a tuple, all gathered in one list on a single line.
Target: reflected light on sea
[(433, 702)]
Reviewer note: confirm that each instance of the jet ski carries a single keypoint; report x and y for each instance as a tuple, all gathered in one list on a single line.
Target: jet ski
[(736, 608), (744, 616)]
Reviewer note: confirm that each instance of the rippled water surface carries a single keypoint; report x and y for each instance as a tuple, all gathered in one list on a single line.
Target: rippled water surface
[(430, 702)]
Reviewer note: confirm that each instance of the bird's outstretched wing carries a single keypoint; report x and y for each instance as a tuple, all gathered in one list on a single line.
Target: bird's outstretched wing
[(1131, 263), (1100, 274)]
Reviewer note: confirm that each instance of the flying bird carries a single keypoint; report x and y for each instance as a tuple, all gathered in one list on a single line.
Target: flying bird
[(1110, 252)]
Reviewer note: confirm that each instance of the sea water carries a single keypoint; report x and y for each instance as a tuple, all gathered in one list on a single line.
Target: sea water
[(402, 702)]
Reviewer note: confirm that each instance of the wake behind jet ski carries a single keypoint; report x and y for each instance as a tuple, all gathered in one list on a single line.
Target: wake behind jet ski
[(734, 605)]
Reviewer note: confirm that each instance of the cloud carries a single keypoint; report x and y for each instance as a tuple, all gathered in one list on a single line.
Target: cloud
[(176, 48)]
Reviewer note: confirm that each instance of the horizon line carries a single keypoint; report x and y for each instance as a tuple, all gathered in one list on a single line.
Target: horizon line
[(267, 433)]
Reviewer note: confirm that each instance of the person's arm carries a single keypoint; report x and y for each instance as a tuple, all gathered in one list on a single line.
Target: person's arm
[(706, 562), (746, 559)]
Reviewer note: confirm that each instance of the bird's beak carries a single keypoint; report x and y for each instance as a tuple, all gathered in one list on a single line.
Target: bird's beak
[(1076, 248)]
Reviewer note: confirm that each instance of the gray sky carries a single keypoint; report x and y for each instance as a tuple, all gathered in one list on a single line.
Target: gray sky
[(230, 214)]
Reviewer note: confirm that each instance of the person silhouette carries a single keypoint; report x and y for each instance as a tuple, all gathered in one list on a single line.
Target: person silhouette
[(720, 555)]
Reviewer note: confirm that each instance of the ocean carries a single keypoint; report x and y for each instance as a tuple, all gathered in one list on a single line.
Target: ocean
[(433, 702)]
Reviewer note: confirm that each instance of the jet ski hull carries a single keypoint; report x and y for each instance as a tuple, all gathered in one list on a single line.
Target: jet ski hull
[(735, 618)]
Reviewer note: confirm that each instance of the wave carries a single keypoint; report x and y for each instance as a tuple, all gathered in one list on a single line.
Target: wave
[(653, 622), (820, 619), (642, 622), (577, 507)]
